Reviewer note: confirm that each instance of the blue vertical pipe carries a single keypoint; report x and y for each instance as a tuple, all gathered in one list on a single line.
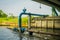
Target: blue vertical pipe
[(19, 20)]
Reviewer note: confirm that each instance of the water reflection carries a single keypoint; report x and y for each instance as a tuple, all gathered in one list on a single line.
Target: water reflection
[(43, 37), (6, 34), (28, 37)]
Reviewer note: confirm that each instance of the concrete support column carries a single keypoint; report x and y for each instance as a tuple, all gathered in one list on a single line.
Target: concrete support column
[(29, 22)]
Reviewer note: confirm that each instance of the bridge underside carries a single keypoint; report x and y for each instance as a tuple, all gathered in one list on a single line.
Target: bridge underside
[(55, 3)]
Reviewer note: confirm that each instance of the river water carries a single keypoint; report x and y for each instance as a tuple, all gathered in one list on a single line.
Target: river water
[(7, 34)]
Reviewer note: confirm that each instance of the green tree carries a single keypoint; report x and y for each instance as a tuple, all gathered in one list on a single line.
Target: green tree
[(11, 15), (2, 14)]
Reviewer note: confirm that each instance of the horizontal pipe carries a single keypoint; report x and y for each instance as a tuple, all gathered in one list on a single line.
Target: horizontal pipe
[(32, 14)]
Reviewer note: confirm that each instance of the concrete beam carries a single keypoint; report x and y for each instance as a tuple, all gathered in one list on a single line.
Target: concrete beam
[(49, 3)]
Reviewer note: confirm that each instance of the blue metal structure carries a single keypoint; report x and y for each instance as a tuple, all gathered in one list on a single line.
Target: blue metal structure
[(29, 14), (54, 12)]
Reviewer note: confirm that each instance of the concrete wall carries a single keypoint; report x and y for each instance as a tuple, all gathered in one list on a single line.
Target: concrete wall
[(47, 23)]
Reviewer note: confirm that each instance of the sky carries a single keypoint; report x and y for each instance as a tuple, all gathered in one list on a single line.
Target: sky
[(15, 7)]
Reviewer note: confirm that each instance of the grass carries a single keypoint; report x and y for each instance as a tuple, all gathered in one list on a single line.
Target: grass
[(9, 21), (13, 22), (2, 20)]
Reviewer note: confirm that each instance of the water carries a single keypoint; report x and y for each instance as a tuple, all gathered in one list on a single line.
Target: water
[(7, 34)]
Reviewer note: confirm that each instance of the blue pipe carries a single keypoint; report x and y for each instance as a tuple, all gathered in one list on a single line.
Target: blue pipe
[(27, 14)]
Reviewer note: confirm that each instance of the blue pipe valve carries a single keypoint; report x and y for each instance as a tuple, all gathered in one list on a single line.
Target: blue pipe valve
[(22, 30)]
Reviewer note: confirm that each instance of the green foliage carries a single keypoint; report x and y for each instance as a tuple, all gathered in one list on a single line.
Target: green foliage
[(3, 20), (2, 14), (25, 20), (12, 17)]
